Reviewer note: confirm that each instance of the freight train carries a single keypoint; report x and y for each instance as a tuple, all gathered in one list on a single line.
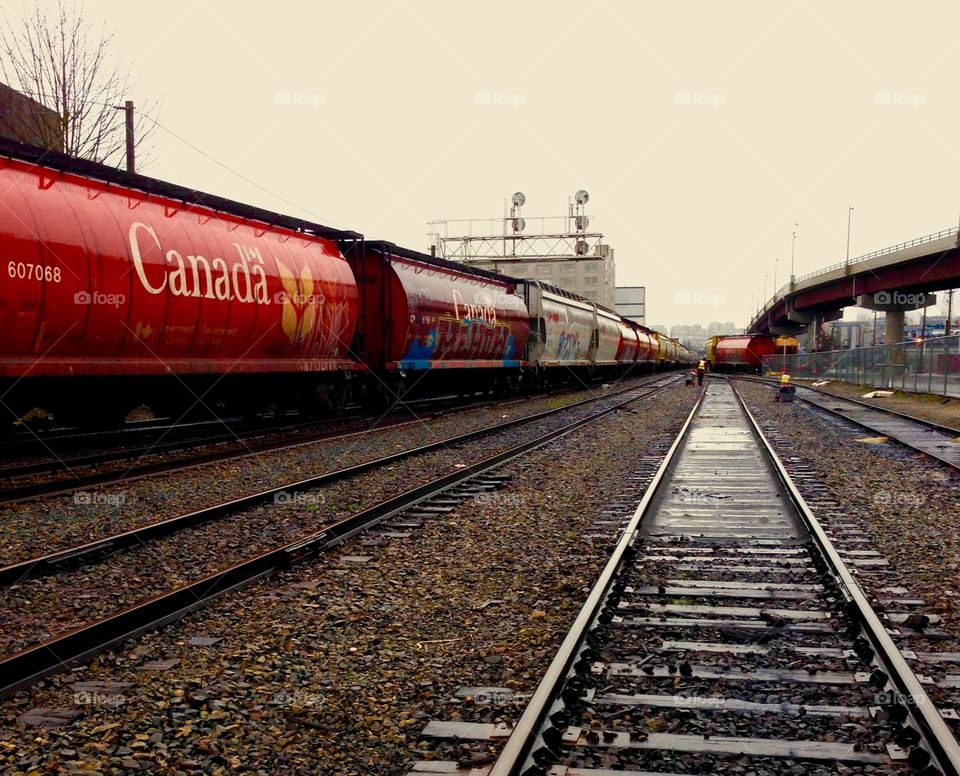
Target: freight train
[(745, 352), (122, 290)]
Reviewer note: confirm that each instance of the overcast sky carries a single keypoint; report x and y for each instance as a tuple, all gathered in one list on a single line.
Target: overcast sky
[(701, 130)]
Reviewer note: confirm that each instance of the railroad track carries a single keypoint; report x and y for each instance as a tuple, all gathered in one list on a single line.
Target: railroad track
[(397, 514), (727, 633), (97, 549), (231, 445), (20, 490), (39, 451), (924, 436)]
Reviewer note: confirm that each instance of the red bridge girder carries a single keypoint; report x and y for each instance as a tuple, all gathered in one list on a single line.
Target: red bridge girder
[(934, 272)]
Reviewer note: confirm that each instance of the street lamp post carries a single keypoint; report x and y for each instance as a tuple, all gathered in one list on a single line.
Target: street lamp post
[(793, 247), (849, 215)]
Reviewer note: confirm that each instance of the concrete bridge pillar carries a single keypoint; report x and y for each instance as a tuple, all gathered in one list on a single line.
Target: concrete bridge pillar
[(893, 305), (893, 326), (814, 322)]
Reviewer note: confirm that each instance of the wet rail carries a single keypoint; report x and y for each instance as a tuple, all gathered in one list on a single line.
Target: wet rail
[(727, 633)]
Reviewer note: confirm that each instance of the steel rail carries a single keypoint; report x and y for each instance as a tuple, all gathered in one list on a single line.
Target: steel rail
[(184, 436), (31, 490), (895, 413), (517, 752), (110, 441), (251, 437), (251, 446), (28, 666), (936, 734), (892, 413), (89, 552), (65, 487), (518, 756)]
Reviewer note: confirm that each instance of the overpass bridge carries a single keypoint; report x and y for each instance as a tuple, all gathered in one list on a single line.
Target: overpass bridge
[(892, 280)]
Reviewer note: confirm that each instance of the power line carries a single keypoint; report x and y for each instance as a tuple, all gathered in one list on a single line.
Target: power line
[(144, 114), (320, 219)]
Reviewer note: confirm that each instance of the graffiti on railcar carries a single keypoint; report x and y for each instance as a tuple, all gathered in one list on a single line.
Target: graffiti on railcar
[(468, 330), (568, 346), (453, 318)]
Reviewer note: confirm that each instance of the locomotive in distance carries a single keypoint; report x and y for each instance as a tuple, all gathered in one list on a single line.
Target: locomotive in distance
[(218, 307)]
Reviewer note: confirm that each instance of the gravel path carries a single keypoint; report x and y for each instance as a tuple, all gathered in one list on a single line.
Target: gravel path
[(47, 525), (909, 506), (40, 608), (938, 409), (334, 667)]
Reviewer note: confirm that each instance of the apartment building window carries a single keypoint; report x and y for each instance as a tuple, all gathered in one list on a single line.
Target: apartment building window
[(590, 281)]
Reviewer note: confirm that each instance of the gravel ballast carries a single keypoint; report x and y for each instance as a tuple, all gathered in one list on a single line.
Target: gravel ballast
[(335, 666), (39, 608), (50, 524), (908, 505)]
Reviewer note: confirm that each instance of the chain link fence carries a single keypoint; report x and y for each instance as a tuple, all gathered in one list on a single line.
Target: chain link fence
[(928, 366)]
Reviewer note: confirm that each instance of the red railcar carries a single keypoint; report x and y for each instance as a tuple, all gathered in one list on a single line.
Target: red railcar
[(636, 345), (740, 352), (423, 314), (109, 280), (648, 346), (122, 290), (629, 343)]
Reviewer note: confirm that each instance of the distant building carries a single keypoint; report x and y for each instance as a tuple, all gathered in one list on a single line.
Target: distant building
[(631, 302), (28, 121), (729, 327), (592, 277), (695, 337)]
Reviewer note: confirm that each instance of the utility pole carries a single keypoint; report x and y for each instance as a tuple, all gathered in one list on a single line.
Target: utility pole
[(127, 108), (849, 214), (775, 262)]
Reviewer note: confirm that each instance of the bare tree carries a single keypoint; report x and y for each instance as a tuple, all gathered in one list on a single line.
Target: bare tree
[(62, 61)]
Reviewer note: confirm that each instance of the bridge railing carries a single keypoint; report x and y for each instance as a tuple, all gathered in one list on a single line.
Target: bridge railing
[(841, 265), (927, 366), (881, 252)]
